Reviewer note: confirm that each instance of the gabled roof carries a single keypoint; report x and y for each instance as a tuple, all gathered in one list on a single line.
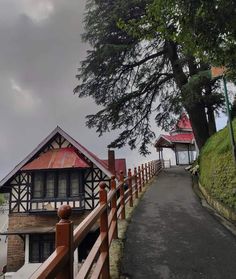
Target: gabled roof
[(170, 140), (60, 158), (183, 123), (93, 158), (188, 138)]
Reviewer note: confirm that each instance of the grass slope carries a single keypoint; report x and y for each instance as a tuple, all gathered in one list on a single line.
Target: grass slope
[(217, 168)]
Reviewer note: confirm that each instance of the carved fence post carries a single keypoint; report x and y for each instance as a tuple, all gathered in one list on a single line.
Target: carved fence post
[(105, 273), (113, 207), (64, 237), (122, 195), (136, 183), (139, 179), (130, 188)]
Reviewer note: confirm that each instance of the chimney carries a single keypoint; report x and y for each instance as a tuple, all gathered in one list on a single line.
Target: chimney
[(111, 161)]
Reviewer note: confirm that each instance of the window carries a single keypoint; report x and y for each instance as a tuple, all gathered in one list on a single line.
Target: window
[(74, 181), (57, 184), (41, 246), (38, 185), (62, 185), (50, 182)]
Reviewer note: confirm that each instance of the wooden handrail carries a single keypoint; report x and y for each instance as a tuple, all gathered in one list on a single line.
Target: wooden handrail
[(60, 264)]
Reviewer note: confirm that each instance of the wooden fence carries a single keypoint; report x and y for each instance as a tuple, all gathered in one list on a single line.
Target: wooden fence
[(111, 207)]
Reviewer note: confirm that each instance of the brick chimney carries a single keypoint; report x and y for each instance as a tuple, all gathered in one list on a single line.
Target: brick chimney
[(111, 161)]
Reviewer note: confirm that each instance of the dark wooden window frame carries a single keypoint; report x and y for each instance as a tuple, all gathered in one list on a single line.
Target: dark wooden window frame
[(40, 239), (56, 177)]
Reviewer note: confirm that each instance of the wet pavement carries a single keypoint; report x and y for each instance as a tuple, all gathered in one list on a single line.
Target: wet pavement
[(171, 236)]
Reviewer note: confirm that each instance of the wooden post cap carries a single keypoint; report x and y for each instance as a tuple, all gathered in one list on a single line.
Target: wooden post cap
[(64, 213), (102, 185), (113, 177)]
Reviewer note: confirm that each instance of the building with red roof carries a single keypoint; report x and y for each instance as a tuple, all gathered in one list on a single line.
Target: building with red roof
[(181, 140), (58, 171)]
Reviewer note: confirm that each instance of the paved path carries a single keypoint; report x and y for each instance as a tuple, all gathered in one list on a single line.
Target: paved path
[(171, 236)]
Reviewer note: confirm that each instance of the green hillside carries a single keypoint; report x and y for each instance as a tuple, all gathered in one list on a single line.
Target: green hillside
[(217, 168)]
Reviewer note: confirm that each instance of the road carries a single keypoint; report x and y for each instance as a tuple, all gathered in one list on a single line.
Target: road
[(171, 236)]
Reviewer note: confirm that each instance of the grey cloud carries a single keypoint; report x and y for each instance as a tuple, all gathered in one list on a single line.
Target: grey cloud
[(41, 59)]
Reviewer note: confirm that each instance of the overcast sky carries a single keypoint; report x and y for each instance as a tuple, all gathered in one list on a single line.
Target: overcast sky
[(40, 51)]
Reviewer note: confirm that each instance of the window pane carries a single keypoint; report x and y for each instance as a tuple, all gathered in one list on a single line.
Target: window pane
[(74, 182), (62, 184), (34, 252), (38, 185), (46, 250), (50, 181), (41, 247)]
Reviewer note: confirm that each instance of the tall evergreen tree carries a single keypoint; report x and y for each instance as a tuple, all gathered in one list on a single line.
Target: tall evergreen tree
[(136, 73)]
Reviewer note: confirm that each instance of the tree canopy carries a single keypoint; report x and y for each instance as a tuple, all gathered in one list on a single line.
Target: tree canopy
[(137, 70), (207, 29)]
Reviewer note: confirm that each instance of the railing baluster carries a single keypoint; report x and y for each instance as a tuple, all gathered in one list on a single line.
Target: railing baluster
[(143, 181), (139, 179), (149, 170), (136, 182), (122, 195), (104, 249), (114, 207), (146, 177), (130, 188), (64, 237)]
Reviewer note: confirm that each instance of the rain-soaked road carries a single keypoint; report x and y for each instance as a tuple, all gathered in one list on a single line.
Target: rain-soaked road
[(171, 236)]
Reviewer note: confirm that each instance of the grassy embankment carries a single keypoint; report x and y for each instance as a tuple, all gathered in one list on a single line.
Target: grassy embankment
[(217, 168)]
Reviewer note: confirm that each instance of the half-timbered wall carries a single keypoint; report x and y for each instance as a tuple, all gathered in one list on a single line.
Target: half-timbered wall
[(93, 177), (20, 193), (21, 185)]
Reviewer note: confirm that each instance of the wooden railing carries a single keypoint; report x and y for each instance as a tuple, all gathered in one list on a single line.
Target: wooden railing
[(111, 207)]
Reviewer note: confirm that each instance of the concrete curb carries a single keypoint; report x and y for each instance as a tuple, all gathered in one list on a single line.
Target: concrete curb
[(225, 215)]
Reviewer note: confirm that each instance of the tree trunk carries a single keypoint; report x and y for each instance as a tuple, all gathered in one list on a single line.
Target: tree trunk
[(211, 120), (210, 112), (199, 123), (196, 110)]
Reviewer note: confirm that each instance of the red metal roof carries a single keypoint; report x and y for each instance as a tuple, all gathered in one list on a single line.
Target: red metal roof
[(57, 159), (185, 138), (184, 122), (120, 165)]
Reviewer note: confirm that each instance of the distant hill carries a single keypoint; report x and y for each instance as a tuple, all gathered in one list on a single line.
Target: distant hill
[(217, 168)]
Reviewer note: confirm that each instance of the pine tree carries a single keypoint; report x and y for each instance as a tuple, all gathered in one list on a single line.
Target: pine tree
[(134, 75)]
